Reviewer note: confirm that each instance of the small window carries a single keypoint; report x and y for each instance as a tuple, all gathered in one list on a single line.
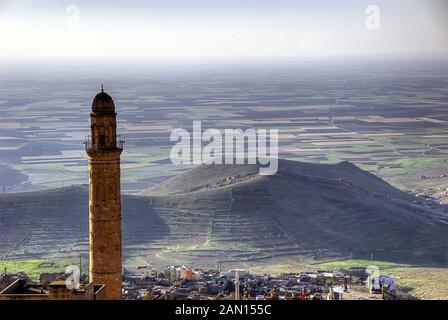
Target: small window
[(102, 140)]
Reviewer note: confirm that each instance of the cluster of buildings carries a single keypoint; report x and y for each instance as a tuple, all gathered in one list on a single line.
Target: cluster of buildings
[(183, 283), (50, 286)]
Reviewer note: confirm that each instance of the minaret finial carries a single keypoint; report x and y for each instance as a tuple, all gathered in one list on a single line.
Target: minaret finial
[(102, 89)]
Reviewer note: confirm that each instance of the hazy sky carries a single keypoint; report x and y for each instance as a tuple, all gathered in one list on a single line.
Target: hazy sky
[(178, 29)]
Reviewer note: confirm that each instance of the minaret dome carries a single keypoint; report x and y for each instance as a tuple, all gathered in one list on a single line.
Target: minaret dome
[(103, 103)]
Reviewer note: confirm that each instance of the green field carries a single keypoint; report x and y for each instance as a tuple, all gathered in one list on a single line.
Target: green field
[(34, 267), (347, 264)]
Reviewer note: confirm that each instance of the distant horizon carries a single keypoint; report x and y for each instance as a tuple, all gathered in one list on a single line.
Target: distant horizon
[(28, 65)]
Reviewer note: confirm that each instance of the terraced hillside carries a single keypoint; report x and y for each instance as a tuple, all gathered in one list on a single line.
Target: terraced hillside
[(229, 215)]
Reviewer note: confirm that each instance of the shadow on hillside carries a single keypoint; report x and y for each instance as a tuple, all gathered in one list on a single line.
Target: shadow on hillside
[(140, 223), (55, 222)]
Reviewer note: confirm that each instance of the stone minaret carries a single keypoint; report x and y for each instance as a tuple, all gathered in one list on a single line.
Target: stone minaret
[(104, 150)]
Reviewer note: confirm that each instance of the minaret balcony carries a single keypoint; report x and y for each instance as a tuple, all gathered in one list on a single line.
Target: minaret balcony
[(116, 145)]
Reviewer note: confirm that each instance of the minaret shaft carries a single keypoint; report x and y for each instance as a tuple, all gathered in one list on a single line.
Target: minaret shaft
[(105, 198)]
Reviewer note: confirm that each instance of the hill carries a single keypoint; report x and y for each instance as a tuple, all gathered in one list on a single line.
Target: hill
[(224, 215)]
